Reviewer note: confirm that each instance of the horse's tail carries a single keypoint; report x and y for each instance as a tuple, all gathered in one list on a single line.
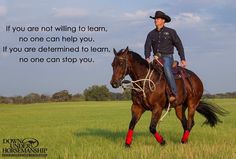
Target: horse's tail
[(211, 111)]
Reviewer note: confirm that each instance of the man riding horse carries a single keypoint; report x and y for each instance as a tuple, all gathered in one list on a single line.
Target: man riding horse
[(162, 41)]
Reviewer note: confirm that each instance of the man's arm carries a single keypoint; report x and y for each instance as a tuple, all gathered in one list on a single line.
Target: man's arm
[(148, 48), (179, 46)]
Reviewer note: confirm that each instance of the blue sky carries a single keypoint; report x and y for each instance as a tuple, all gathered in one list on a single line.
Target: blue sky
[(207, 29)]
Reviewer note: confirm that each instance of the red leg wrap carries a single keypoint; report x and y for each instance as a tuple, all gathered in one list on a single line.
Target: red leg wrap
[(185, 136), (129, 137), (158, 137)]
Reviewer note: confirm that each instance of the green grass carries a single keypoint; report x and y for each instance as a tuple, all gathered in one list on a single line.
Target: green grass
[(97, 130)]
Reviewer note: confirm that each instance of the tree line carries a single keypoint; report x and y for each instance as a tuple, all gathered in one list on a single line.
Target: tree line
[(221, 95), (93, 93)]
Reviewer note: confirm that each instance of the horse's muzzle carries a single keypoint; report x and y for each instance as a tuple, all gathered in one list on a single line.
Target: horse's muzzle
[(115, 84)]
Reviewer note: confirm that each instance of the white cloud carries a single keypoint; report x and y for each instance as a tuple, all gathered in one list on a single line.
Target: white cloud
[(70, 12), (3, 10), (138, 16), (187, 18)]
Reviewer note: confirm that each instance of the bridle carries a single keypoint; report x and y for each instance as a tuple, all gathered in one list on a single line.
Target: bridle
[(131, 84), (126, 67), (126, 84)]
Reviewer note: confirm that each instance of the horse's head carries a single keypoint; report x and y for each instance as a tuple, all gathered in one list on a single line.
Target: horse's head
[(120, 66)]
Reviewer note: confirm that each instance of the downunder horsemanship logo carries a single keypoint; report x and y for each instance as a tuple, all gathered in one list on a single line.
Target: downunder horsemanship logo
[(28, 147)]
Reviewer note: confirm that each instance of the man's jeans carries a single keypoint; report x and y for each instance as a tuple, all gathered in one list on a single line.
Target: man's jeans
[(168, 61)]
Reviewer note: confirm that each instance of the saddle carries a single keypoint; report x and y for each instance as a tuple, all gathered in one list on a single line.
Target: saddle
[(177, 71)]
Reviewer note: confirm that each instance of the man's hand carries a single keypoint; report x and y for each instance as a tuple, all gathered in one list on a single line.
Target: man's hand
[(148, 59), (155, 57), (183, 63)]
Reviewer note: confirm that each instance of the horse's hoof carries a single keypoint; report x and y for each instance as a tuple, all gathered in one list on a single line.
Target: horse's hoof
[(127, 145), (163, 143), (184, 142)]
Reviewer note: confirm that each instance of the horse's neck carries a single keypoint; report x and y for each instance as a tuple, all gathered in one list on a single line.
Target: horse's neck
[(138, 71)]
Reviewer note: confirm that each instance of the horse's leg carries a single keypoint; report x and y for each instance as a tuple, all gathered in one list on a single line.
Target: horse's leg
[(180, 113), (137, 111), (156, 114), (190, 121)]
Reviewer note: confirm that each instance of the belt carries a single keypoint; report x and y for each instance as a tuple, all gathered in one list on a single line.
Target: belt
[(157, 54), (160, 54)]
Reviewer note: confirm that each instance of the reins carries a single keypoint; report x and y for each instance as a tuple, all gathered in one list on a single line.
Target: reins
[(126, 84)]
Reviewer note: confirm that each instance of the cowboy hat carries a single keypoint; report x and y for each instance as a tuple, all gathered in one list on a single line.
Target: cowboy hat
[(160, 14)]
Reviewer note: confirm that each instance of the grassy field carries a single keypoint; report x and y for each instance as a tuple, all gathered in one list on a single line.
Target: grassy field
[(97, 130)]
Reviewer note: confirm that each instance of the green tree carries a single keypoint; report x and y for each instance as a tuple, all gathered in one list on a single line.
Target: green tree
[(18, 99), (61, 96), (127, 94), (77, 97), (45, 98), (32, 98), (97, 93)]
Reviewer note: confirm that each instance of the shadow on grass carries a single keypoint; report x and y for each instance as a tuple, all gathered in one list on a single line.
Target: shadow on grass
[(116, 136), (113, 136), (170, 135)]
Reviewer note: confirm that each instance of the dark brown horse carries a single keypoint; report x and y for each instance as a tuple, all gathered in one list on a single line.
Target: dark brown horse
[(189, 95)]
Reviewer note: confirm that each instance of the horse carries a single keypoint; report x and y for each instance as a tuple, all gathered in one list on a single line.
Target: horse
[(189, 96)]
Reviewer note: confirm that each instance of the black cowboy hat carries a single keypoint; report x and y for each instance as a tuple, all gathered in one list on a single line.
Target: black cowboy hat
[(160, 14)]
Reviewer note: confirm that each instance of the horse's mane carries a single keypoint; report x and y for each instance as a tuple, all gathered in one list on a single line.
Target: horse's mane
[(136, 57)]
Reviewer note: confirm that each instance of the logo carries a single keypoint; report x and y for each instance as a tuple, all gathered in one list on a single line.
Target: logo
[(28, 147), (166, 33)]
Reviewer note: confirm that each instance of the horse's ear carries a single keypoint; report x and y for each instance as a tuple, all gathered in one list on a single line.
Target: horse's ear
[(127, 49), (114, 51)]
